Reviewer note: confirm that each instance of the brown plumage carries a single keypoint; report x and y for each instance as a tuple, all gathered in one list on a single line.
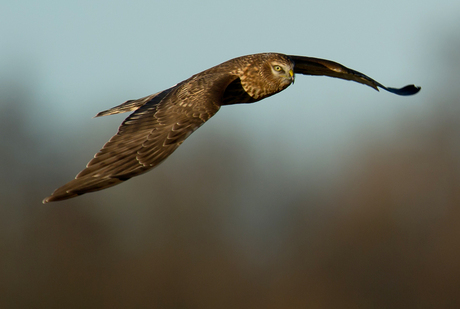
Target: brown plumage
[(162, 121)]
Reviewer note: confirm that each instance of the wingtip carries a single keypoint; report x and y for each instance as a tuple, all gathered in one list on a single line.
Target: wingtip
[(59, 195), (47, 199), (406, 90), (57, 198)]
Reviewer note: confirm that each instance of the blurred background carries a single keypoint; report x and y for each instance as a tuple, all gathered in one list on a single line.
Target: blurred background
[(327, 195)]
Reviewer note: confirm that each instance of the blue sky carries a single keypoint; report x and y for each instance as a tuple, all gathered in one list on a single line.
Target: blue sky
[(81, 57)]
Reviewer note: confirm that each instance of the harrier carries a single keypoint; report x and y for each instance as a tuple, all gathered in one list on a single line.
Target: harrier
[(162, 121)]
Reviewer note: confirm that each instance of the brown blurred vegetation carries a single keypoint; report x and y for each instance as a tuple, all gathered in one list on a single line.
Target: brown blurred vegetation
[(210, 230)]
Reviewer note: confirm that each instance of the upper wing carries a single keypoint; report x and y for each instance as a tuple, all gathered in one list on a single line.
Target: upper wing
[(150, 134), (315, 66)]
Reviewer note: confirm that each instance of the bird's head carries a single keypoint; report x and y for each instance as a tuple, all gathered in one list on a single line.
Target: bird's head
[(267, 74), (278, 72), (283, 72)]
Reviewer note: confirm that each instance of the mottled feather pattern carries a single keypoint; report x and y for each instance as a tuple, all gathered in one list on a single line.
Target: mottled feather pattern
[(161, 122)]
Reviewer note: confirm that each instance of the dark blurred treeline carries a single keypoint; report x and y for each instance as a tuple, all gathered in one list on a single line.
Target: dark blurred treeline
[(212, 229)]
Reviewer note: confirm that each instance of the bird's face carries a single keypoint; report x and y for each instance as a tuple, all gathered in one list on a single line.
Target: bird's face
[(267, 74), (283, 73)]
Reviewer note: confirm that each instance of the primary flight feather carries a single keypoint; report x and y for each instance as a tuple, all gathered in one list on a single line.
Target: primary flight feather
[(162, 121)]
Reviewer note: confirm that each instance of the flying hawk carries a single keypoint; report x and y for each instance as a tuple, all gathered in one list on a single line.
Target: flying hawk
[(162, 121)]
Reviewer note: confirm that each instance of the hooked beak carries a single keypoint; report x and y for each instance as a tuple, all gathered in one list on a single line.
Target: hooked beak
[(291, 74)]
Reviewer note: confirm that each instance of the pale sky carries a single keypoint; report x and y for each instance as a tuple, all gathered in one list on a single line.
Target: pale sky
[(81, 57)]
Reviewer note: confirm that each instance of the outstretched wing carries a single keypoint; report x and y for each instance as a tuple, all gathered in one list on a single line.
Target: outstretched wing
[(150, 134), (316, 66)]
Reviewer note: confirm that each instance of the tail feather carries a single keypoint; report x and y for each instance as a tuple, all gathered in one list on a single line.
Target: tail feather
[(128, 106)]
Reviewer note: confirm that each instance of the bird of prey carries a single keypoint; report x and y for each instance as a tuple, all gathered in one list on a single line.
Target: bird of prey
[(162, 121)]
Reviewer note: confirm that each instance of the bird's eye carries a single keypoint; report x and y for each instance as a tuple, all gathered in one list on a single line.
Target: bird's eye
[(277, 68)]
